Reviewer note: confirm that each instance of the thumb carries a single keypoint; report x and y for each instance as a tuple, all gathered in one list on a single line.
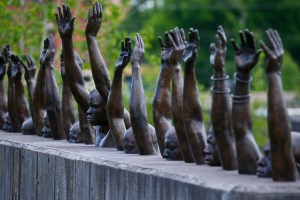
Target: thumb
[(72, 21)]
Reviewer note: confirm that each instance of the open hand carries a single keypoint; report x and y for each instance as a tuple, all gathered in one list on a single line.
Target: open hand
[(246, 56), (125, 54), (49, 51), (166, 48), (176, 39), (16, 69), (192, 46), (138, 50), (30, 68), (65, 22), (94, 20), (275, 54), (218, 50)]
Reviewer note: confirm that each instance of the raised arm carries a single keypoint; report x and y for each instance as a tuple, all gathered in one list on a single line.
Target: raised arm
[(138, 112), (53, 104), (192, 108), (15, 123), (283, 163), (178, 46), (21, 105), (246, 57), (3, 97), (115, 106), (39, 99), (65, 23), (98, 66), (220, 109), (68, 111), (29, 77), (161, 105)]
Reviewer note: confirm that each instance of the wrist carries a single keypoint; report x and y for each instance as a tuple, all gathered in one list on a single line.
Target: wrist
[(243, 75), (90, 36), (219, 72), (135, 62)]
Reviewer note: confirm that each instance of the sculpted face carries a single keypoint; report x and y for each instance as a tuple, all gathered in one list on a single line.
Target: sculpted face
[(75, 133), (28, 127), (129, 142), (7, 124), (211, 151), (264, 168), (96, 114), (172, 151), (46, 131)]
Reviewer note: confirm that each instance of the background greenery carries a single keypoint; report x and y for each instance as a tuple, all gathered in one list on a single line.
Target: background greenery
[(24, 24)]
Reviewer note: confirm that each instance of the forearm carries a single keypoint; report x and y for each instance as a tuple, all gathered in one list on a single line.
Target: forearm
[(98, 67), (278, 121), (53, 105), (177, 106), (221, 120), (21, 102), (138, 113), (162, 98), (3, 97), (241, 112), (30, 89), (115, 100), (39, 101), (115, 110), (16, 126), (161, 106), (191, 99), (74, 76), (68, 111)]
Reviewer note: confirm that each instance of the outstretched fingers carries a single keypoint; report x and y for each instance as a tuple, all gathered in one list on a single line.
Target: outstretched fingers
[(161, 42), (266, 50), (234, 45), (250, 39)]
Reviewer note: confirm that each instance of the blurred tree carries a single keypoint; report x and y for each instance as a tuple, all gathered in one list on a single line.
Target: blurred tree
[(257, 15)]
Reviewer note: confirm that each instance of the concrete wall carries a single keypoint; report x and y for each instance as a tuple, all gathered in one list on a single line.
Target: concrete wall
[(30, 172)]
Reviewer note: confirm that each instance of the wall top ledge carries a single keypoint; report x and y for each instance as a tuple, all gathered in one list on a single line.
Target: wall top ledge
[(199, 175)]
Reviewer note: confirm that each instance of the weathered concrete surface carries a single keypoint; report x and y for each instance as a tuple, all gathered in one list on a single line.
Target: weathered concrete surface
[(33, 167)]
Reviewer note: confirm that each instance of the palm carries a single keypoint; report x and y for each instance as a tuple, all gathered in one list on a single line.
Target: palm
[(65, 29), (246, 56), (275, 53), (246, 60), (94, 20), (65, 22), (125, 54), (192, 48)]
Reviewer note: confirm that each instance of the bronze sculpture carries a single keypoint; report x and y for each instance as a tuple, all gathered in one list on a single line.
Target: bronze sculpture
[(21, 109), (115, 106), (53, 104), (246, 58), (211, 150), (46, 130), (177, 45), (28, 125), (3, 97), (172, 151), (220, 110), (264, 168), (143, 132), (283, 162), (68, 111), (65, 23), (192, 108), (161, 105), (39, 93)]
